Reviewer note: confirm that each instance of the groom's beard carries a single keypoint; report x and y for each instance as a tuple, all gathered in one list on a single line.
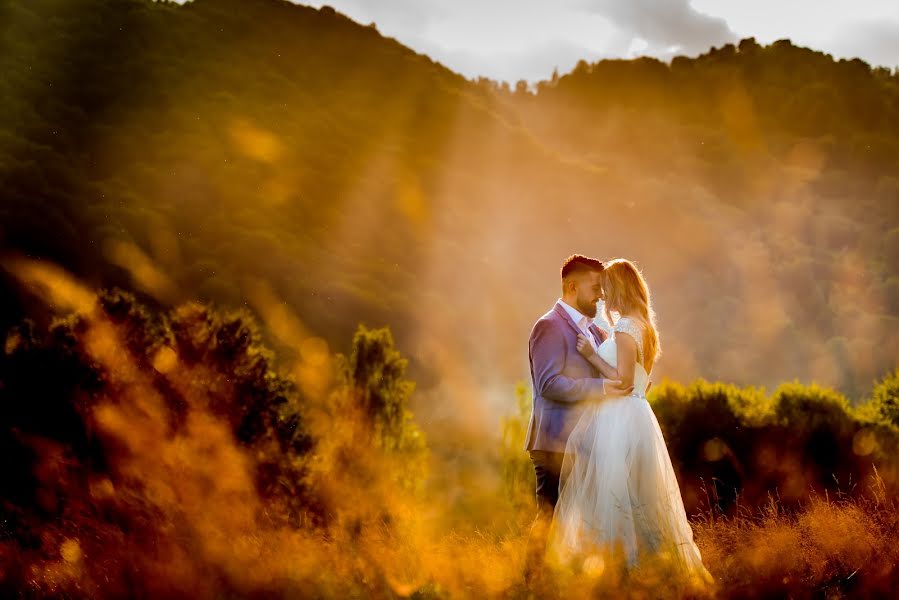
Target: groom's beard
[(588, 309)]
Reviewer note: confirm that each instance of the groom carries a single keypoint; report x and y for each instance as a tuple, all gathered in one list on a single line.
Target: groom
[(563, 380)]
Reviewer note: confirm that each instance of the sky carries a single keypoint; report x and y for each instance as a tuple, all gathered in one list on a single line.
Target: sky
[(526, 39)]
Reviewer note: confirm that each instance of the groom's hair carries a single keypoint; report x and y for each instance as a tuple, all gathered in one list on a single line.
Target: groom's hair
[(578, 263)]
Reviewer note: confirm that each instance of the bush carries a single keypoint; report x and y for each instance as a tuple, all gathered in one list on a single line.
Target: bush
[(735, 448), (884, 400), (171, 448), (373, 376)]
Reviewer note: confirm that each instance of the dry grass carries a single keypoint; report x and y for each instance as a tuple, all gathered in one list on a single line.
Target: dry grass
[(831, 547)]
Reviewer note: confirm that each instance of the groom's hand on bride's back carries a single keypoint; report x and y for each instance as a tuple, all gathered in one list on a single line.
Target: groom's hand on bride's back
[(612, 387)]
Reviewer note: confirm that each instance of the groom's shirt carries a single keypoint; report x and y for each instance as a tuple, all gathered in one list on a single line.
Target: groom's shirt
[(583, 323)]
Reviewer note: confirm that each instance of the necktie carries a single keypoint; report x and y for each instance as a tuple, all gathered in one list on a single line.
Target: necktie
[(595, 336), (588, 331)]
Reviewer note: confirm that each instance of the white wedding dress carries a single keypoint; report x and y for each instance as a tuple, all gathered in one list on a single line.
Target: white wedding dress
[(618, 487)]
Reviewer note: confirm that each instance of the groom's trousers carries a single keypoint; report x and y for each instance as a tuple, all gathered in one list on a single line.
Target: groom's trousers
[(547, 468)]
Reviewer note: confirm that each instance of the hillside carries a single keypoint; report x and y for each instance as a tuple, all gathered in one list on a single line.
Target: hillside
[(195, 150)]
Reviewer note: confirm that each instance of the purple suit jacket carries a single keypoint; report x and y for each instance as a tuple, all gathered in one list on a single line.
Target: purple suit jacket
[(563, 380)]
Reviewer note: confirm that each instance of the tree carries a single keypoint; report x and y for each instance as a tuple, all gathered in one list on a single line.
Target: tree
[(749, 46), (375, 375), (885, 398)]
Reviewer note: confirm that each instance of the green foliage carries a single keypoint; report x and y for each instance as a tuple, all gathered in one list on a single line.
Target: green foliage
[(374, 375), (195, 357), (263, 405), (224, 350), (795, 403), (517, 468), (131, 428), (375, 370), (884, 401), (735, 448), (740, 445)]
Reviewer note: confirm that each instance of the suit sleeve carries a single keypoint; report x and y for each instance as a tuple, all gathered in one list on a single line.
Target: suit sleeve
[(547, 361)]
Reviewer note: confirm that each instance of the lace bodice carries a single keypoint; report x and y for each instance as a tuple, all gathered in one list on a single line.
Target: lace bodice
[(608, 351), (635, 330)]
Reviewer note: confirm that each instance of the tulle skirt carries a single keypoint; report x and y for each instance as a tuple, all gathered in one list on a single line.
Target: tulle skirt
[(619, 492)]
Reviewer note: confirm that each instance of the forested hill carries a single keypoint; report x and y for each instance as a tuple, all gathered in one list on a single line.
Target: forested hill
[(196, 149)]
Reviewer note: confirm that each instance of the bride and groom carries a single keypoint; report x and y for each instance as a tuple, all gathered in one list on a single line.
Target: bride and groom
[(605, 482)]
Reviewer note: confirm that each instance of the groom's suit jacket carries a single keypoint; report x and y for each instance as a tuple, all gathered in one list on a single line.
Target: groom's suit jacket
[(563, 380)]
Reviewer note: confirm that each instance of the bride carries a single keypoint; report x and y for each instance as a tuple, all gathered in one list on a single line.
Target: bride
[(618, 488)]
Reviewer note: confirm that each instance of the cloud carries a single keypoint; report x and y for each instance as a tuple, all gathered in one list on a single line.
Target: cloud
[(503, 39), (526, 39), (875, 42), (400, 15), (665, 24)]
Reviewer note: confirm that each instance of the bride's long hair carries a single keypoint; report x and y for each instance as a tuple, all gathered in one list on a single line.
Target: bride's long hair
[(626, 292)]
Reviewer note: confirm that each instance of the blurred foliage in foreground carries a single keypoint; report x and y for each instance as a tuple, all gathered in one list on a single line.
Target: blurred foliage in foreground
[(169, 453), (169, 443)]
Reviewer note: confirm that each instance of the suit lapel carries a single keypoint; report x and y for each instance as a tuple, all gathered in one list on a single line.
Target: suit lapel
[(599, 333), (567, 318)]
